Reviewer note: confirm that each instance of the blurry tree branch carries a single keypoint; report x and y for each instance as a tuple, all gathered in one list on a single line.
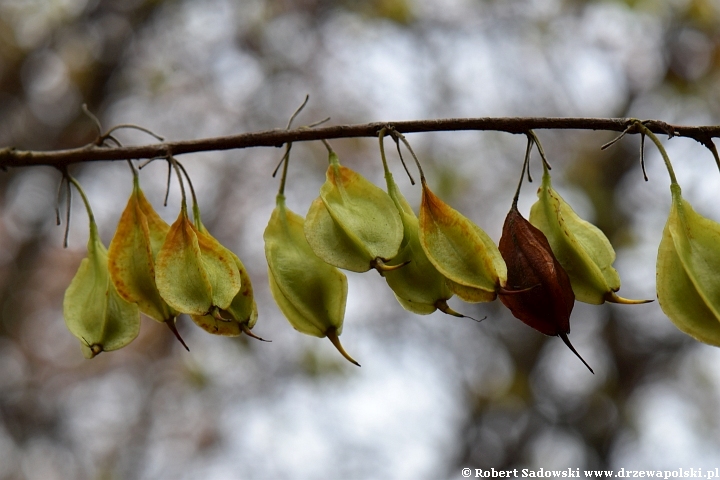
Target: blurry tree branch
[(10, 157)]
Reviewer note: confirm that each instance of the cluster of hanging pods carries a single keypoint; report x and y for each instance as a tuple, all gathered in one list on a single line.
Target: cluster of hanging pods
[(538, 270)]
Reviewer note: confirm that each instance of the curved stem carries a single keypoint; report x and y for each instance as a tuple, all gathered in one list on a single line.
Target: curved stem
[(196, 205), (530, 142), (173, 162), (644, 130)]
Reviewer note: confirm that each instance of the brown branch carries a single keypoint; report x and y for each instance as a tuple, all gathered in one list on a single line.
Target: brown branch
[(10, 157)]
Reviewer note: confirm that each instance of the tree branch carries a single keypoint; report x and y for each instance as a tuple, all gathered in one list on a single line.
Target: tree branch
[(10, 157)]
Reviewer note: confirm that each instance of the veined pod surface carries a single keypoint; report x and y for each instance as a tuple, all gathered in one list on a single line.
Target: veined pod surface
[(131, 256), (310, 292), (93, 310), (418, 286), (353, 224), (688, 271), (460, 250), (241, 315), (581, 248), (194, 273)]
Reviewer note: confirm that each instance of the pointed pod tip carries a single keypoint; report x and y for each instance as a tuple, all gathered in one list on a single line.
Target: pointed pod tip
[(614, 298), (249, 333), (333, 337), (566, 340), (170, 322), (379, 265), (443, 306)]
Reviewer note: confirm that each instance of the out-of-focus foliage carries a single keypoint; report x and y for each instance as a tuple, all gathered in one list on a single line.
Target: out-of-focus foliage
[(435, 393)]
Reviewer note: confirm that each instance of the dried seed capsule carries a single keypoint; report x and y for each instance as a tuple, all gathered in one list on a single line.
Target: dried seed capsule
[(543, 297)]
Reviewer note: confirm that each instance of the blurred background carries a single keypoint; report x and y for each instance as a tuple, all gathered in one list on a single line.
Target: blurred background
[(435, 393)]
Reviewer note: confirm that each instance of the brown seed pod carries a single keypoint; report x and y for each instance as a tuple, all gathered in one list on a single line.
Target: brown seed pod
[(543, 297)]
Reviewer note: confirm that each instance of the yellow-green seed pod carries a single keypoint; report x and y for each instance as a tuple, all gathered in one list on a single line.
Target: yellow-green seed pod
[(131, 259), (582, 249), (460, 250), (418, 286), (92, 308), (242, 313), (194, 273), (310, 292), (353, 224), (688, 262)]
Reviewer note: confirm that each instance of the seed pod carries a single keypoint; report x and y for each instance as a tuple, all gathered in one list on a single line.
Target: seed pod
[(581, 248), (541, 295), (548, 299), (418, 286), (194, 273), (460, 250), (310, 292), (131, 258), (92, 308), (688, 262), (353, 224), (242, 313)]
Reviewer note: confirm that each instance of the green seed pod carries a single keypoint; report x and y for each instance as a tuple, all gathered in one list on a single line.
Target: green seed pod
[(242, 313), (310, 292), (353, 224), (93, 310), (194, 273), (460, 250), (581, 248), (418, 286), (688, 262)]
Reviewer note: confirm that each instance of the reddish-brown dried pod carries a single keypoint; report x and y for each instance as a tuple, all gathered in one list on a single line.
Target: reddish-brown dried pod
[(543, 297)]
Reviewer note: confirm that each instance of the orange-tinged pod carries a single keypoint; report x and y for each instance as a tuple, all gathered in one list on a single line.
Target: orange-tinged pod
[(131, 261), (460, 250)]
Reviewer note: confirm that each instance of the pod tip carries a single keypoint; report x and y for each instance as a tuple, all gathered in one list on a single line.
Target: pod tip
[(333, 337), (443, 306), (249, 333), (170, 322), (615, 298), (567, 342)]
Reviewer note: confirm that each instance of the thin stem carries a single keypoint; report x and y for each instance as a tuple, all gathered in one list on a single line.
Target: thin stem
[(397, 135), (642, 156), (526, 163), (196, 205), (173, 162), (91, 217), (133, 127), (643, 129), (94, 119), (402, 160)]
